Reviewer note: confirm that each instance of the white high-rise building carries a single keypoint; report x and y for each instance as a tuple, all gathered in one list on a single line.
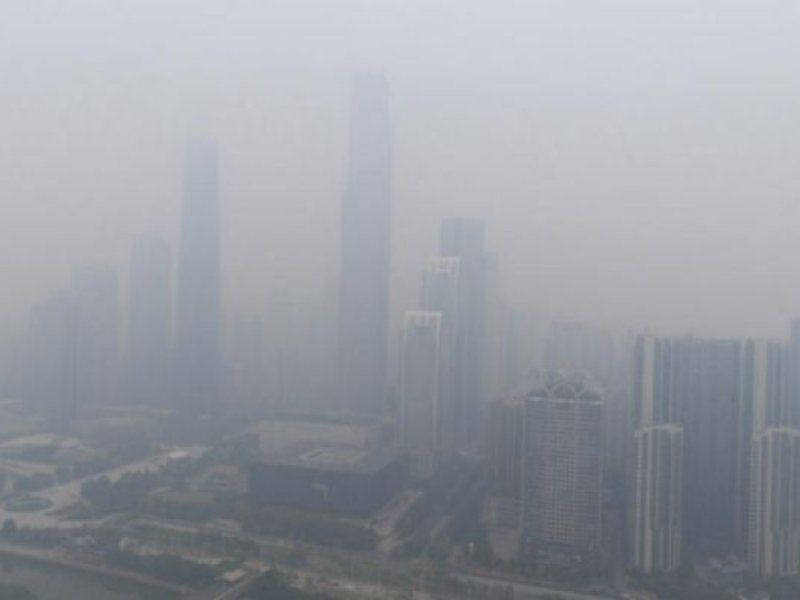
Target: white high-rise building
[(441, 292), (562, 466), (657, 526), (774, 534), (764, 378)]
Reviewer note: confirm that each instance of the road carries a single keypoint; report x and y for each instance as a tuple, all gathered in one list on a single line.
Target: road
[(529, 590), (65, 494)]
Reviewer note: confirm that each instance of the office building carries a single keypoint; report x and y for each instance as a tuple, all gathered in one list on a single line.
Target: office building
[(419, 388), (562, 467), (506, 435), (774, 533), (764, 392), (463, 239), (365, 250), (657, 528)]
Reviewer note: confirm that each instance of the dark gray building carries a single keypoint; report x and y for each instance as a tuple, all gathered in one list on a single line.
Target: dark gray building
[(197, 343), (365, 250), (327, 477)]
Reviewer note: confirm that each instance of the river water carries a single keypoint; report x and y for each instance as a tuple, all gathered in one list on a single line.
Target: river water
[(50, 583)]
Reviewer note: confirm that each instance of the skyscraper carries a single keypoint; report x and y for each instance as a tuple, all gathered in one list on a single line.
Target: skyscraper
[(658, 528), (774, 535), (562, 466), (420, 426), (197, 343), (94, 288), (441, 292), (694, 383), (149, 321), (506, 434), (464, 239), (365, 249), (764, 379)]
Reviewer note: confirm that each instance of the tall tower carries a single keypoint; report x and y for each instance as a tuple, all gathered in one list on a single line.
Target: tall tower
[(774, 535), (149, 320), (658, 502), (419, 387), (441, 292), (658, 529), (464, 239), (365, 249), (198, 312)]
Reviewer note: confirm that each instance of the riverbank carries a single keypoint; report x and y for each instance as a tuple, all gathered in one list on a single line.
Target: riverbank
[(43, 558)]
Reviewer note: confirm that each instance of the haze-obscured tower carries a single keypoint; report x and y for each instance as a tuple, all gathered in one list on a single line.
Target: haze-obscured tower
[(657, 528), (774, 535), (149, 321), (365, 249), (420, 426), (464, 239), (441, 292), (197, 343)]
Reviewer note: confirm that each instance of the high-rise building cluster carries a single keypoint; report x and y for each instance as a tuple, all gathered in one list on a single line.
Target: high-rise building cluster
[(710, 451), (74, 351), (683, 443)]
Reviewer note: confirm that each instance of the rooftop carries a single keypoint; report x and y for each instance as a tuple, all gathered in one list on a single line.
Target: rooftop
[(342, 458)]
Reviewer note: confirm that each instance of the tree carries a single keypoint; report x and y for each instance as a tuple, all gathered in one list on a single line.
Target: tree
[(9, 528)]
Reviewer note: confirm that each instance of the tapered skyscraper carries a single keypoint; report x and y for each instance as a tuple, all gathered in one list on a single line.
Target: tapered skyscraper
[(365, 249), (198, 315)]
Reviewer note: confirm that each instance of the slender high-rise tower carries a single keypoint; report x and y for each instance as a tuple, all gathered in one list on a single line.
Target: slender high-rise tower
[(420, 411), (149, 321), (463, 239), (198, 312), (365, 249)]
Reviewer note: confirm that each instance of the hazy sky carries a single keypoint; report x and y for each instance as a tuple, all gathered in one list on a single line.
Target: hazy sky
[(637, 163)]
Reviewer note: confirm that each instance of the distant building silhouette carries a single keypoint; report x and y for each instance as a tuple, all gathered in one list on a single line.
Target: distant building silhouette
[(197, 342), (246, 362), (441, 292), (149, 321), (506, 432), (420, 425), (365, 250), (94, 289), (50, 357), (464, 239)]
